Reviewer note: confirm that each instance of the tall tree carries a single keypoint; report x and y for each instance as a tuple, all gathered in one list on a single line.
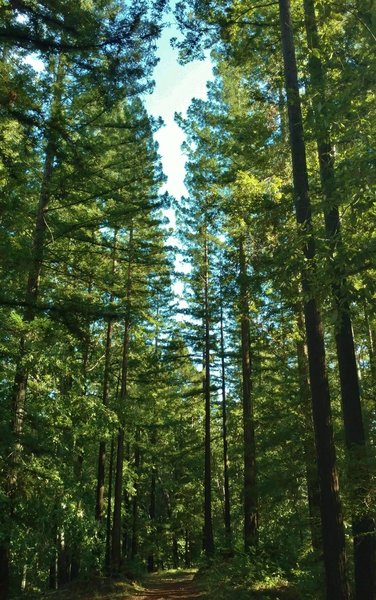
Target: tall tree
[(70, 126), (226, 482), (99, 507), (250, 489), (363, 523), (208, 539), (118, 493), (331, 515)]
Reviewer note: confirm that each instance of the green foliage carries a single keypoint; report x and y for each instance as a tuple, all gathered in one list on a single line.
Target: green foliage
[(83, 247), (245, 577)]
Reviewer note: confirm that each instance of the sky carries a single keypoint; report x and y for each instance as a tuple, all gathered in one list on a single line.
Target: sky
[(176, 85)]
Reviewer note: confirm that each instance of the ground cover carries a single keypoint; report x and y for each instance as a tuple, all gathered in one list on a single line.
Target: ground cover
[(207, 584)]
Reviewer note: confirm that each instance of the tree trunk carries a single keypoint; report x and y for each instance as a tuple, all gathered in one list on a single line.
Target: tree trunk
[(187, 550), (137, 463), (109, 509), (52, 578), (152, 506), (175, 552), (313, 487), (116, 554), (116, 522), (63, 561), (127, 510), (226, 484), (99, 508), (4, 567), (331, 513), (371, 344), (362, 521), (208, 540), (250, 477), (75, 562)]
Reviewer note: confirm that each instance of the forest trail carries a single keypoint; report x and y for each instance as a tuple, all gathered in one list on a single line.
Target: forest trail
[(170, 586)]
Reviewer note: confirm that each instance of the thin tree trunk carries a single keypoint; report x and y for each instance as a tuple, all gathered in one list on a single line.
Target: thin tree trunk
[(116, 522), (187, 550), (175, 552), (153, 482), (127, 509), (208, 541), (109, 508), (362, 522), (371, 344), (52, 579), (152, 505), (282, 111), (137, 463), (4, 564), (250, 476), (99, 508), (331, 513), (116, 554), (72, 544), (313, 487), (63, 561), (226, 484)]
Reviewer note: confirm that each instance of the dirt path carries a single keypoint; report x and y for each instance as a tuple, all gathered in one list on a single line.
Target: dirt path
[(170, 587)]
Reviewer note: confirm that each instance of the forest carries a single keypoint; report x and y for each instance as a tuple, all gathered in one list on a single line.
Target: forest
[(228, 431)]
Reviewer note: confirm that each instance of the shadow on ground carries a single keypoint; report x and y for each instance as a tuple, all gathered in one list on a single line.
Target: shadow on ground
[(170, 586)]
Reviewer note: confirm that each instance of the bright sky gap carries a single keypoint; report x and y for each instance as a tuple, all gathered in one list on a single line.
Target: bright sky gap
[(175, 87)]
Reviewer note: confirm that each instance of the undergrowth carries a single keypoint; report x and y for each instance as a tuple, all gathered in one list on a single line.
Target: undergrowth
[(246, 578), (97, 588)]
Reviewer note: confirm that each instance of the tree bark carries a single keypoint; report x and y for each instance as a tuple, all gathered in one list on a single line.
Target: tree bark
[(331, 513), (371, 344), (127, 509), (208, 539), (99, 508), (363, 524), (52, 579), (116, 554), (107, 559), (226, 483), (152, 505), (250, 475), (137, 463), (187, 550), (63, 561), (313, 487)]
